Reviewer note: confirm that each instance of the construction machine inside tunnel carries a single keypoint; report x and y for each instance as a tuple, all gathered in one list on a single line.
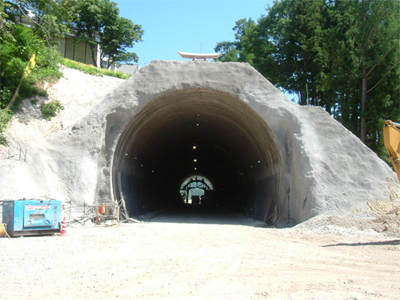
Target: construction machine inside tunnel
[(201, 132)]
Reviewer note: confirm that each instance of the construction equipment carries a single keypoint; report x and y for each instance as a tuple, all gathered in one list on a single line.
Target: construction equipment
[(32, 217), (391, 137)]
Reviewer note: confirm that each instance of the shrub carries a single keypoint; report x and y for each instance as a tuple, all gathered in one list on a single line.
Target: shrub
[(5, 96), (117, 74), (88, 69), (16, 50), (5, 117), (51, 109), (82, 67)]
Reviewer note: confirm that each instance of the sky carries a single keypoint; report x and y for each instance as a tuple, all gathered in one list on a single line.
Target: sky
[(186, 25)]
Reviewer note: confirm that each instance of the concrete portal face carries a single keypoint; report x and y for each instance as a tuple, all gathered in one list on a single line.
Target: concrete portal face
[(265, 156)]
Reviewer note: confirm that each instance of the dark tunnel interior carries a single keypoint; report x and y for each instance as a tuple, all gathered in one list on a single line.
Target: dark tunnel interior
[(198, 132)]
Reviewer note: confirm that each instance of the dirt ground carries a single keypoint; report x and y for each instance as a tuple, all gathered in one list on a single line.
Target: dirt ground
[(205, 260)]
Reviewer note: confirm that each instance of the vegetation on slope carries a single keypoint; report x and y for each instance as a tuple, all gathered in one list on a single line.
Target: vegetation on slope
[(88, 69), (29, 58)]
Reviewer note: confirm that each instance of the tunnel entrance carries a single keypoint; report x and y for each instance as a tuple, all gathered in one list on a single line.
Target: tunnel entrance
[(197, 190), (198, 131)]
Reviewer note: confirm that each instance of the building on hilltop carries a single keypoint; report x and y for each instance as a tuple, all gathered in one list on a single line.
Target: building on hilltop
[(81, 52), (126, 68), (77, 51)]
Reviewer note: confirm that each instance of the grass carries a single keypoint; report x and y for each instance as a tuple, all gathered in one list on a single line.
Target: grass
[(51, 109), (88, 69), (5, 117)]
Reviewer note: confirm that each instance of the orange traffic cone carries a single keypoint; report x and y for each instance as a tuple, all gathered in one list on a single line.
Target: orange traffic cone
[(64, 227)]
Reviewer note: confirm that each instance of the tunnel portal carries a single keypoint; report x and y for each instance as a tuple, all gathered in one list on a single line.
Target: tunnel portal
[(265, 156), (204, 132)]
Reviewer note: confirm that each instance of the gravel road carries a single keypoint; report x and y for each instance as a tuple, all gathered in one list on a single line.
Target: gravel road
[(200, 259)]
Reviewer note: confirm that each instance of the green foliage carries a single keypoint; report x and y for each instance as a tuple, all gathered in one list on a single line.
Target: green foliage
[(18, 44), (229, 51), (5, 95), (98, 22), (289, 48), (42, 15), (15, 52), (5, 117), (93, 70), (44, 74), (127, 57), (82, 67), (343, 55), (51, 109), (238, 50), (117, 74), (117, 38)]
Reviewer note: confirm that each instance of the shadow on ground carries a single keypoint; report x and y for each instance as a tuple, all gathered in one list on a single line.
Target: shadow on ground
[(196, 214), (380, 243)]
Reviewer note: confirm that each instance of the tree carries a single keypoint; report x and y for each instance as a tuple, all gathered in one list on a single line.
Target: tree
[(22, 47), (41, 14), (229, 51), (25, 58), (365, 66), (117, 38), (376, 38), (98, 23), (288, 47), (239, 49), (340, 54)]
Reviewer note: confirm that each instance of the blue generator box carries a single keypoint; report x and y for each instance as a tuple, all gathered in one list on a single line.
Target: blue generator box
[(32, 217)]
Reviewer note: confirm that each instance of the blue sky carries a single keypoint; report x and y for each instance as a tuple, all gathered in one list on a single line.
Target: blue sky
[(186, 25)]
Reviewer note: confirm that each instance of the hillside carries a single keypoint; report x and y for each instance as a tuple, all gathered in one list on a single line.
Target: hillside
[(29, 133)]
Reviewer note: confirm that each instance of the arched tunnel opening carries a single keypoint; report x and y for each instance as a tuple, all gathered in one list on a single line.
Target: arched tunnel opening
[(205, 133), (197, 189)]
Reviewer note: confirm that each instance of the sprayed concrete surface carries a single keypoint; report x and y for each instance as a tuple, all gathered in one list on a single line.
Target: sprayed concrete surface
[(271, 159)]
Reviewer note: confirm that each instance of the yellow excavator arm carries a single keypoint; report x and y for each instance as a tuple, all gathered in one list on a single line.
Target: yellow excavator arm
[(391, 137)]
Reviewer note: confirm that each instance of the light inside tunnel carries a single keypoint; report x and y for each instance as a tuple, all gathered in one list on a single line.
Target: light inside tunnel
[(198, 131)]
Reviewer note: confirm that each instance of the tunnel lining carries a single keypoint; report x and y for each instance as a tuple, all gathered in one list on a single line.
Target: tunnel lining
[(227, 127)]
